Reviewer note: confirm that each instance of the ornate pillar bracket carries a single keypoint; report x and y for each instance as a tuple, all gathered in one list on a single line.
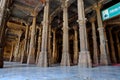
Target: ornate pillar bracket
[(103, 49), (95, 46), (84, 56)]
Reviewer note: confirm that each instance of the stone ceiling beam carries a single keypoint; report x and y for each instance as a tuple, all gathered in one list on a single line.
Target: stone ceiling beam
[(59, 9), (15, 26), (20, 7)]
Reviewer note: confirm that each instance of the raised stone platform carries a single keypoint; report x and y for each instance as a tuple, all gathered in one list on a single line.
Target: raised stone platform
[(17, 71)]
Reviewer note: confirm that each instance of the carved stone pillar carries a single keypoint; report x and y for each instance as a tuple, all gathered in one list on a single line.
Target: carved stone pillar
[(107, 48), (25, 44), (54, 54), (103, 50), (95, 46), (28, 42), (12, 51), (42, 62), (118, 45), (65, 52), (84, 56), (2, 29), (76, 55), (31, 55), (17, 48), (112, 46), (39, 44), (49, 43), (21, 50), (2, 8)]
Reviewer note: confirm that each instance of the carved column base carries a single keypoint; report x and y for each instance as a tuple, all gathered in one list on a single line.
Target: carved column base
[(103, 56), (75, 61), (65, 59), (16, 59), (84, 59), (31, 58), (42, 62)]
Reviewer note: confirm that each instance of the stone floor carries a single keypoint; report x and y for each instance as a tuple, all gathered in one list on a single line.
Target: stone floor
[(17, 71)]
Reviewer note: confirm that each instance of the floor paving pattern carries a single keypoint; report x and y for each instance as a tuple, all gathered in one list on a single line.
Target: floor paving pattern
[(17, 71)]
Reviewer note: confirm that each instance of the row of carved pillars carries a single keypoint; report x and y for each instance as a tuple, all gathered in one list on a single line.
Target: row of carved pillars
[(84, 54), (114, 45)]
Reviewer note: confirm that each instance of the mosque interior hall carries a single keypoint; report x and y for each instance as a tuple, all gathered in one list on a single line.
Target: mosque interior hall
[(73, 36)]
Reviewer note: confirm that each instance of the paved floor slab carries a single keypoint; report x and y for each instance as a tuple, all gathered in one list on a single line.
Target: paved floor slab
[(17, 71)]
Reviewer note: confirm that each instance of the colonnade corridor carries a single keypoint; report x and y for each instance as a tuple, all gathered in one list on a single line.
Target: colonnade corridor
[(59, 39)]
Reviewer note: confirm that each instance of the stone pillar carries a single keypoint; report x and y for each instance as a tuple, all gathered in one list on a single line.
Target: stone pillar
[(103, 49), (112, 46), (25, 44), (28, 42), (65, 52), (2, 9), (12, 51), (84, 56), (49, 43), (54, 54), (95, 46), (39, 44), (17, 48), (76, 55), (118, 45), (42, 62), (107, 48), (31, 55)]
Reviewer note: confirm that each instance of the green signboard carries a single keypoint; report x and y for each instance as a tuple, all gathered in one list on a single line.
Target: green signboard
[(111, 12)]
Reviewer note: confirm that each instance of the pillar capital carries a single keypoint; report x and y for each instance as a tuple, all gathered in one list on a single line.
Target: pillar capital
[(92, 19), (82, 21), (64, 3), (75, 27), (54, 30), (110, 28), (34, 14), (97, 6)]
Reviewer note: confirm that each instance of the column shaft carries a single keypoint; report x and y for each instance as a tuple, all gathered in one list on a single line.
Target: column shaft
[(54, 54), (107, 49), (118, 46), (17, 46), (84, 56), (75, 47), (2, 29), (103, 50), (42, 62), (39, 44), (12, 51), (65, 52), (31, 55), (95, 46), (25, 45), (49, 43), (112, 47)]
